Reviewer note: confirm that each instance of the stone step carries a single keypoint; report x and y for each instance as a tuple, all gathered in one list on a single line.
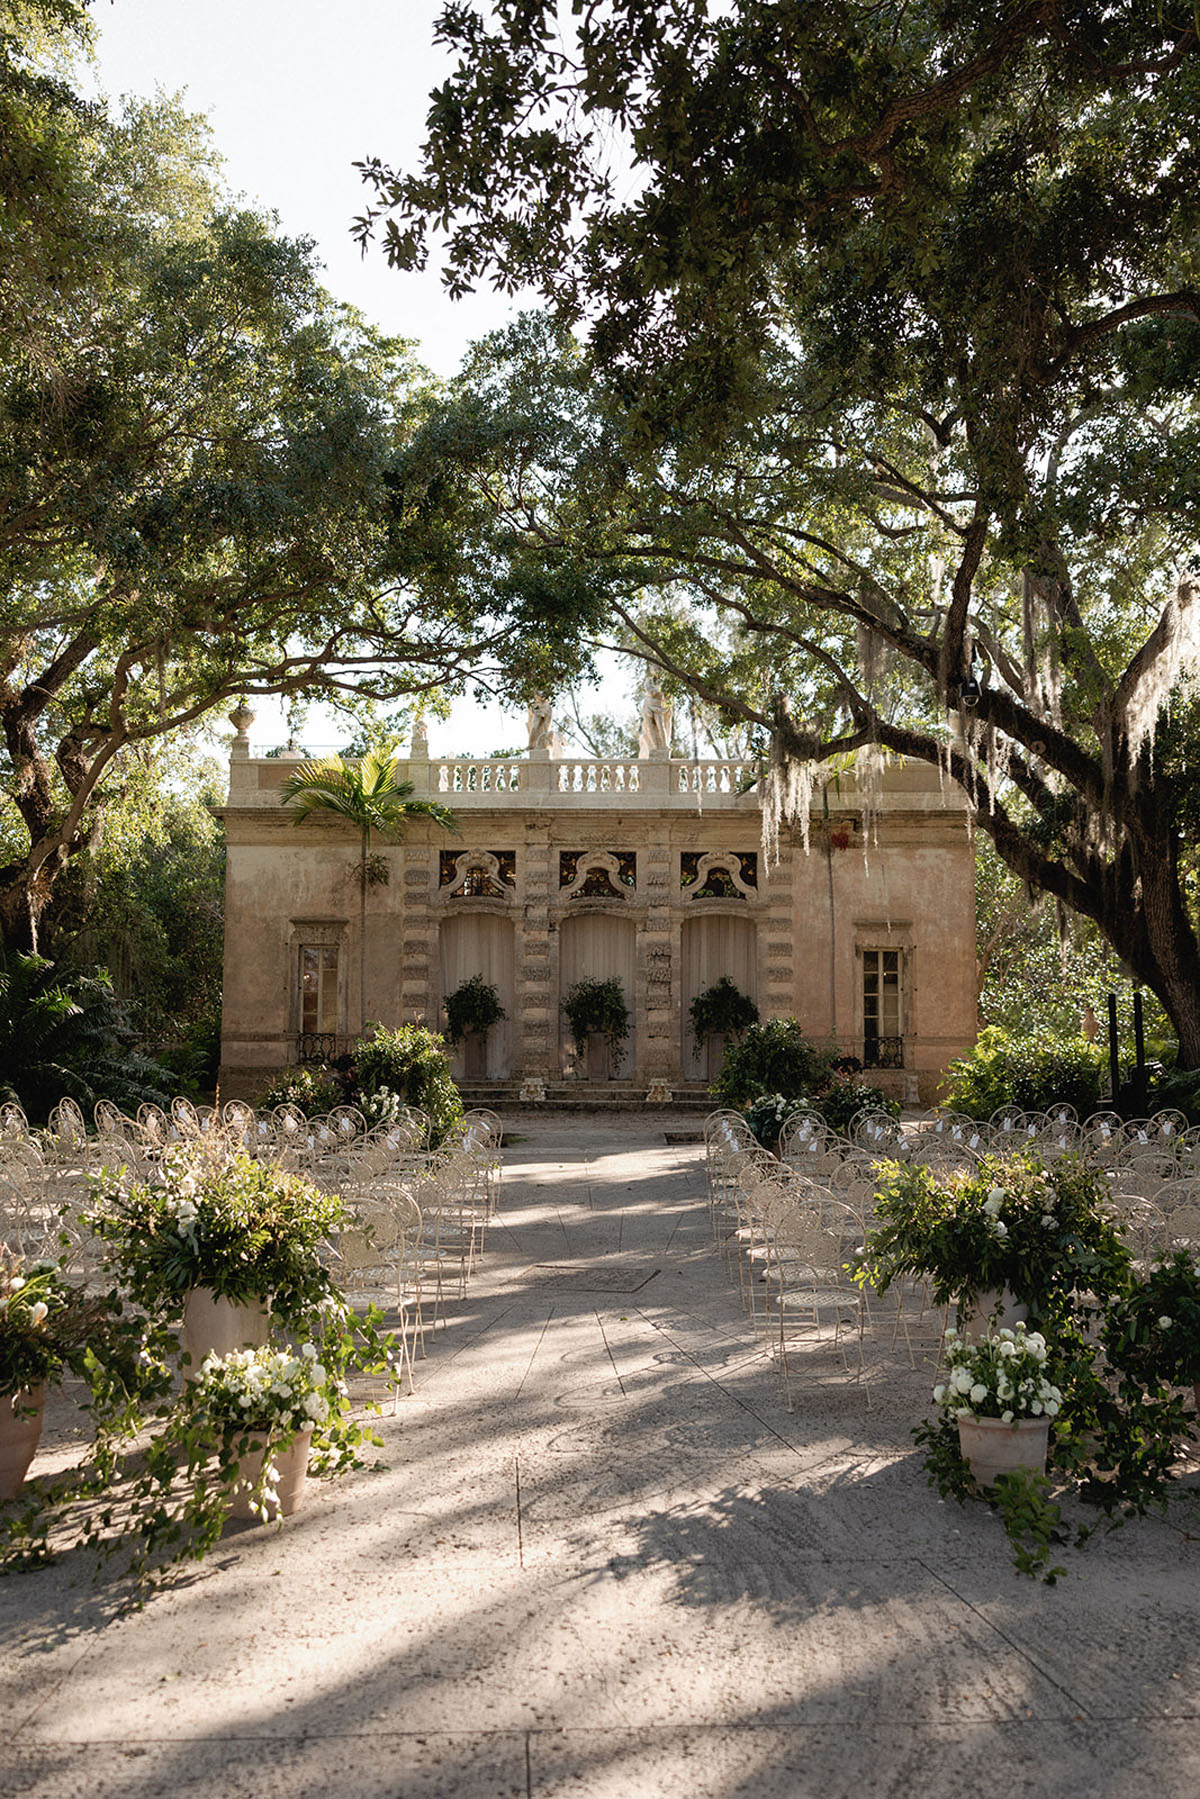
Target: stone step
[(584, 1096)]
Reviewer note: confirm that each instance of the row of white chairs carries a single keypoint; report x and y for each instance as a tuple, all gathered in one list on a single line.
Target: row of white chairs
[(417, 1216), (791, 1222)]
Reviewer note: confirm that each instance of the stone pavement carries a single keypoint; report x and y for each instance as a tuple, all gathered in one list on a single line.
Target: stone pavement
[(602, 1559)]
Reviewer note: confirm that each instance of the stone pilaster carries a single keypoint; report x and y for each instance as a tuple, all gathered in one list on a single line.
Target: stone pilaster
[(419, 967), (656, 1002), (535, 1036)]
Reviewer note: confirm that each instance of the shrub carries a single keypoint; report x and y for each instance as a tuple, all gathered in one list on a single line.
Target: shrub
[(314, 1091), (772, 1057), (1031, 1074), (64, 1035), (844, 1098), (408, 1062), (768, 1114)]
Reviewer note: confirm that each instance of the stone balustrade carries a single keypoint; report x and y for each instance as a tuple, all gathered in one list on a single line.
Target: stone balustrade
[(536, 780)]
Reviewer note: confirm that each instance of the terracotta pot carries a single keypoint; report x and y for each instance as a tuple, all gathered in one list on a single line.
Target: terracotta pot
[(291, 1474), (215, 1326), (991, 1447), (21, 1416), (992, 1310)]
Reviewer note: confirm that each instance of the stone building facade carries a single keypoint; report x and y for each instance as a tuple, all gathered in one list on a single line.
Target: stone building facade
[(650, 869)]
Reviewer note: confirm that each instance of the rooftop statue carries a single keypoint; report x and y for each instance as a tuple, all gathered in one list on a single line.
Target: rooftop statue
[(655, 739)]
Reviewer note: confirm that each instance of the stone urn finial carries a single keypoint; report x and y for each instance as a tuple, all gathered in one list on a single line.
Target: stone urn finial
[(241, 718)]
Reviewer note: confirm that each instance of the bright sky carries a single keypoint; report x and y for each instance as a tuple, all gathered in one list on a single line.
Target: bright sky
[(297, 92)]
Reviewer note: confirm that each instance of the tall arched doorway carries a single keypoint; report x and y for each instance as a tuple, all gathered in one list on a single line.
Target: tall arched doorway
[(714, 945), (480, 943), (596, 946)]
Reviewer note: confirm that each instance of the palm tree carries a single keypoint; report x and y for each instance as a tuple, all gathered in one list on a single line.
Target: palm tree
[(367, 793)]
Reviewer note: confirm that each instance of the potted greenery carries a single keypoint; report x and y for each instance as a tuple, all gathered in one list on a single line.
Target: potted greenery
[(46, 1327), (997, 1392), (258, 1408), (596, 1012), (1006, 1227), (1153, 1330), (214, 1238), (471, 1011), (719, 1014)]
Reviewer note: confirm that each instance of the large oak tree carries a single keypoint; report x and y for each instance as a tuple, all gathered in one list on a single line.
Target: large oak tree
[(892, 317), (196, 448)]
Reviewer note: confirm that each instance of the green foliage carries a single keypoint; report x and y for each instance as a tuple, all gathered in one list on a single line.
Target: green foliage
[(598, 1006), (844, 443), (1041, 1232), (216, 1219), (1153, 1331), (775, 1068), (154, 1485), (47, 1324), (768, 1114), (772, 1057), (473, 1006), (1031, 1073), (253, 540), (1040, 970), (63, 1035), (722, 1009), (145, 899), (845, 1096), (368, 794), (314, 1091), (409, 1064)]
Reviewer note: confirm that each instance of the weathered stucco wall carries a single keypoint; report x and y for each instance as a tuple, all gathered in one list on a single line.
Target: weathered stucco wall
[(641, 901)]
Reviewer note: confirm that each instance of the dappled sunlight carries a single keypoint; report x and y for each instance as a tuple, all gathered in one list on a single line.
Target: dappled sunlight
[(600, 1556)]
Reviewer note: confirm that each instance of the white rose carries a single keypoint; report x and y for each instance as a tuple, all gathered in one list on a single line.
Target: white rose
[(1036, 1408), (1051, 1408), (16, 1283), (1006, 1417), (318, 1374), (1164, 1323), (993, 1203), (1000, 1228), (978, 1393), (939, 1393)]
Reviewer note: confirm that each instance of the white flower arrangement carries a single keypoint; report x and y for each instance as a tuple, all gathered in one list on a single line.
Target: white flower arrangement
[(999, 1376), (266, 1391)]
